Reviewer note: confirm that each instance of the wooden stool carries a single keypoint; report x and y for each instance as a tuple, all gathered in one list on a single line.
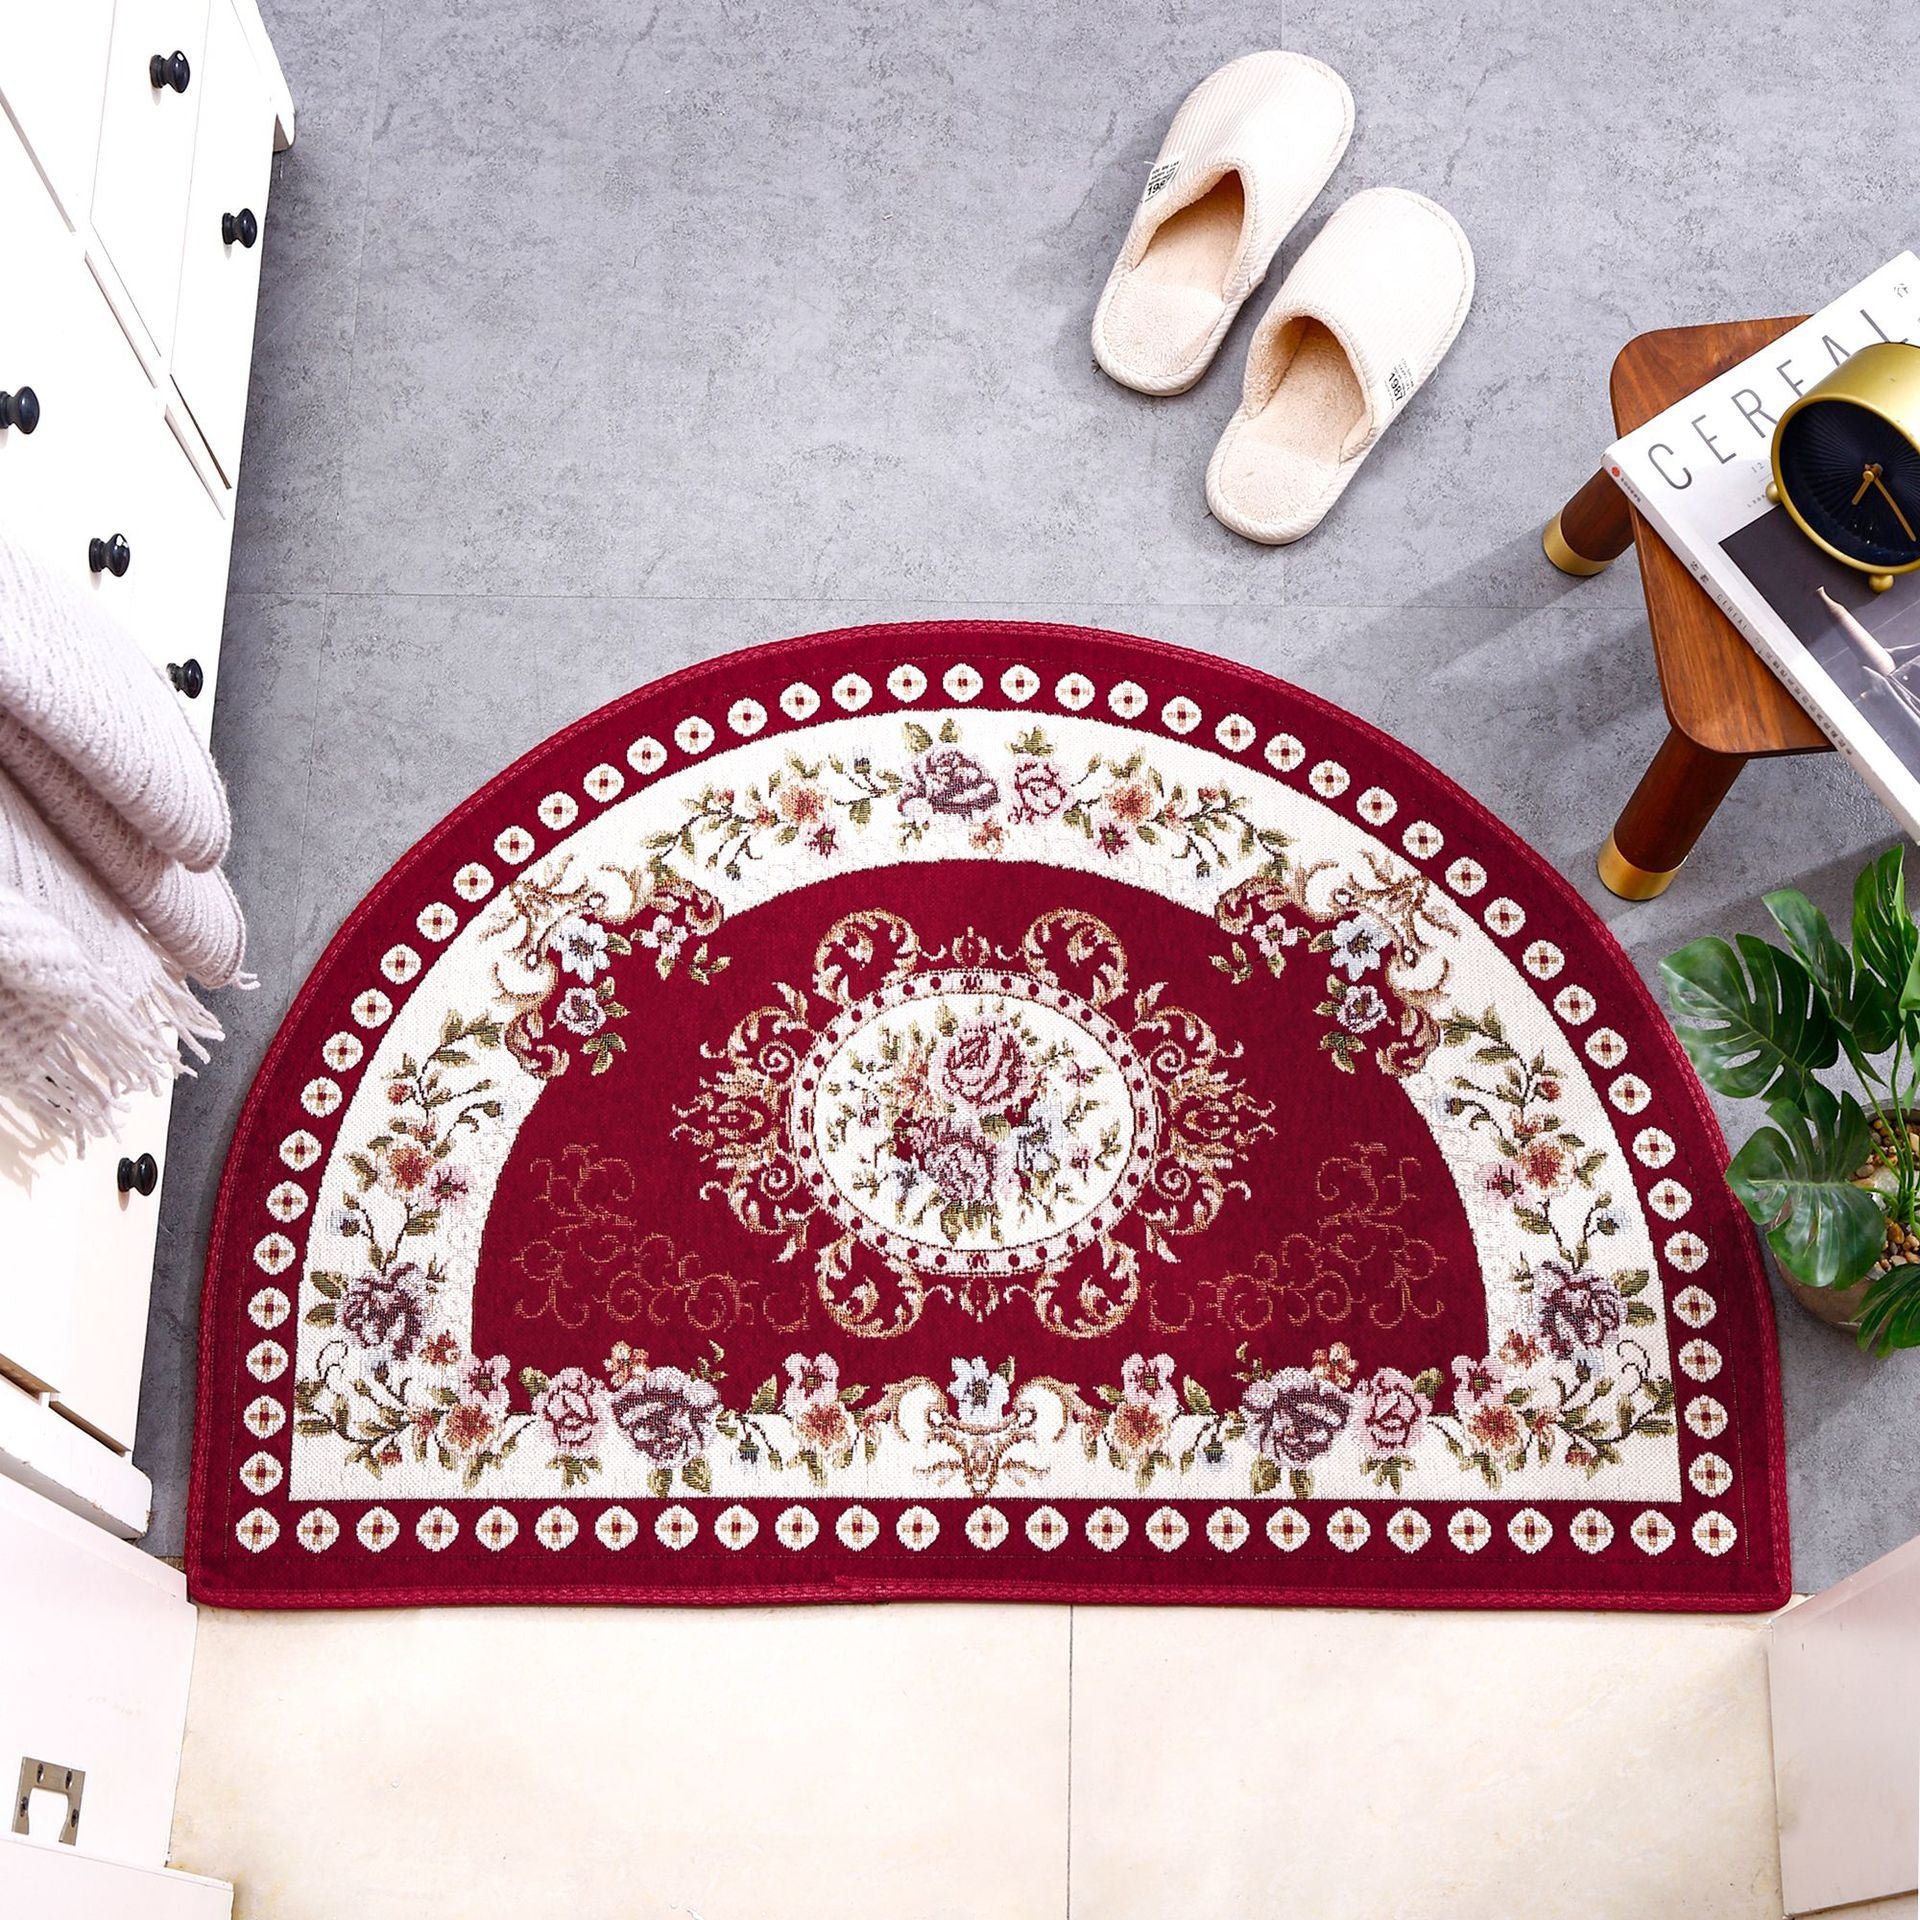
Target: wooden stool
[(1724, 705)]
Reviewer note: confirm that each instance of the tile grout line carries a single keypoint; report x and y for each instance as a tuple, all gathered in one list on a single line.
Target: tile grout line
[(298, 918), (1251, 607), (322, 654), (360, 238)]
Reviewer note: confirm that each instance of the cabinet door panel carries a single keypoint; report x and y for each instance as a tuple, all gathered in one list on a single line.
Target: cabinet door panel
[(103, 460), (44, 280), (68, 481), (76, 1272), (180, 603), (220, 278), (52, 78), (146, 154)]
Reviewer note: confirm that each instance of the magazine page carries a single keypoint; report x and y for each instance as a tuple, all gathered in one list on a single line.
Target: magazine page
[(1699, 472), (1866, 643)]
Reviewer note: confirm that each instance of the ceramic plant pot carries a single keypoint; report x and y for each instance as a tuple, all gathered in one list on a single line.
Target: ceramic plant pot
[(1837, 1306)]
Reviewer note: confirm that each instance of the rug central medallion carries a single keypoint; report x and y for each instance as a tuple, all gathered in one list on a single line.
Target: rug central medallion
[(985, 1123)]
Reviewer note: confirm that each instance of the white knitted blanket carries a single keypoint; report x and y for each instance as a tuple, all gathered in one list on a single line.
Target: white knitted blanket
[(75, 679), (89, 1009), (113, 822), (192, 916)]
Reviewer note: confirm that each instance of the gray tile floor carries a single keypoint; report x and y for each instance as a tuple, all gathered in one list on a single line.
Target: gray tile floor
[(601, 338)]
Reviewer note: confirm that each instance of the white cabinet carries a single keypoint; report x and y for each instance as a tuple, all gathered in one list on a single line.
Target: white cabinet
[(96, 1654), (1845, 1669), (45, 1883), (96, 1650), (74, 1277), (129, 318)]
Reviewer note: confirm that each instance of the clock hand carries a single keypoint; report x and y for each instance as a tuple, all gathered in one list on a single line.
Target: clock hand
[(1868, 475), (1906, 525)]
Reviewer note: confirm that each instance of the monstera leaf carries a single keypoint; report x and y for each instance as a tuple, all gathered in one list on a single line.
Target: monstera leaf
[(1891, 1316), (1749, 1031), (1796, 1179), (1860, 1003), (1886, 943)]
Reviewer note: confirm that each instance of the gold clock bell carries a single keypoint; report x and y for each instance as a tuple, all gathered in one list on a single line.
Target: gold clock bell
[(1846, 462)]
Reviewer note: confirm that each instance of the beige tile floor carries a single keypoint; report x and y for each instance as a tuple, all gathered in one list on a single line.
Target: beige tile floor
[(933, 1762)]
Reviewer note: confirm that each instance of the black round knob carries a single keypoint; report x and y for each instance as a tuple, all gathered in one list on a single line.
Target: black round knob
[(169, 70), (111, 555), (138, 1176), (188, 677), (241, 226), (21, 409)]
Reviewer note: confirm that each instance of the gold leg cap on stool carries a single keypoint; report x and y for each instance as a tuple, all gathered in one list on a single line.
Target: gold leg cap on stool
[(1622, 878), (1554, 544)]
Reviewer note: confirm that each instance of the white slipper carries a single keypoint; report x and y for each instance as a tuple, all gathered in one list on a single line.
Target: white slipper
[(1249, 149), (1364, 317)]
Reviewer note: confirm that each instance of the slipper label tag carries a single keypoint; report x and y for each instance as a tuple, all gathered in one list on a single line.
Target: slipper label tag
[(1160, 176), (1400, 383)]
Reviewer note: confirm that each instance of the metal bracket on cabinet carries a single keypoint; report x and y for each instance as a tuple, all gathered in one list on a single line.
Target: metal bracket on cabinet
[(48, 1776)]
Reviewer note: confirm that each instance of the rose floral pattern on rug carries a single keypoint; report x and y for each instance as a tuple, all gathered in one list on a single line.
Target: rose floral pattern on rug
[(993, 1111)]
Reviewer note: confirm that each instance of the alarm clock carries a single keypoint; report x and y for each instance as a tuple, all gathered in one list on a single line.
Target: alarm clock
[(1846, 462)]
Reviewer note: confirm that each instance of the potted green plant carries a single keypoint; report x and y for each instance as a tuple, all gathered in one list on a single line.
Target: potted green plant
[(1834, 1177)]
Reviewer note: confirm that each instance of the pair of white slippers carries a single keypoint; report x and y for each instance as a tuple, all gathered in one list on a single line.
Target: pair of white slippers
[(1365, 316)]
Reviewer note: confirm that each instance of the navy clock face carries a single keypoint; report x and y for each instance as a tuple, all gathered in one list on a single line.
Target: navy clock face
[(1856, 480)]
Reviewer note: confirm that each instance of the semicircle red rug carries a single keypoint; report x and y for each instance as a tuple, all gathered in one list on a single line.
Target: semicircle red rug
[(987, 1111)]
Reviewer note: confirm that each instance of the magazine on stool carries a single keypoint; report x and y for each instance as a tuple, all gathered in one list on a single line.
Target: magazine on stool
[(1699, 474)]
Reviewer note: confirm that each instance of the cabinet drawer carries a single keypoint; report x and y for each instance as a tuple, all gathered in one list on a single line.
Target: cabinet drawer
[(146, 153), (97, 479), (65, 482), (77, 1271), (180, 605), (102, 461), (41, 363), (220, 268), (53, 74)]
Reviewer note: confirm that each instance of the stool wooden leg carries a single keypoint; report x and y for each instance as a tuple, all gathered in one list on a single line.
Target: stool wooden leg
[(1669, 810), (1591, 531)]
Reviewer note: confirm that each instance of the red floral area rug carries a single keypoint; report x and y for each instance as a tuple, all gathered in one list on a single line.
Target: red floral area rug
[(1003, 1112)]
